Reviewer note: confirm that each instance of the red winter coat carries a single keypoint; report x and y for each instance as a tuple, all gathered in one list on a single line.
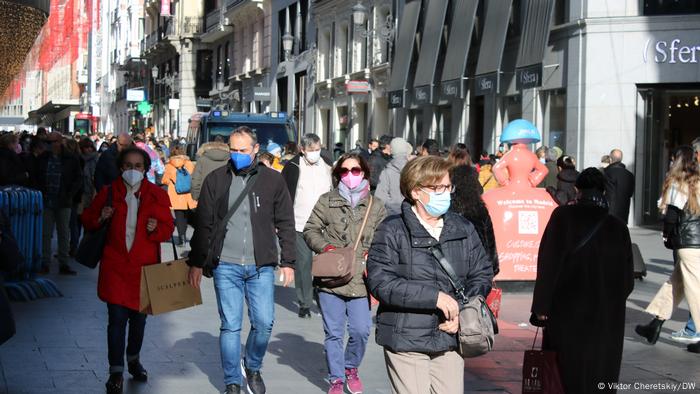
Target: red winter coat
[(120, 270)]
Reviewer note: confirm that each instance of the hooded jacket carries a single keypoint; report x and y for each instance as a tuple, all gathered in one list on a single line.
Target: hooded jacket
[(210, 156), (565, 192), (389, 185), (178, 201)]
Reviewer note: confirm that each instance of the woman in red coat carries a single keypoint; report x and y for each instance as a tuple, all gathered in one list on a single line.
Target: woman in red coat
[(139, 220)]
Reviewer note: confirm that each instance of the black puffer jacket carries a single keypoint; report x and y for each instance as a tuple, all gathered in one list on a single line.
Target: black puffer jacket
[(406, 278), (565, 193)]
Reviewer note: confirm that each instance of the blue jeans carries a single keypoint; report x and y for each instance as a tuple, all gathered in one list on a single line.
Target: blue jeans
[(690, 326), (338, 313), (232, 283)]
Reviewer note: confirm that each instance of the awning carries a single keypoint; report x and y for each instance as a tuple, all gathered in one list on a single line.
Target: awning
[(53, 107), (491, 51), (459, 40), (433, 24), (405, 41), (537, 16)]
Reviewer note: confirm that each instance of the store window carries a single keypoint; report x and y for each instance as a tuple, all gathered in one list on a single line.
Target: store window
[(671, 7), (555, 118)]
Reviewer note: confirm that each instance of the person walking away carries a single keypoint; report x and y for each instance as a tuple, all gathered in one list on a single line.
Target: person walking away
[(379, 159), (241, 253), (418, 315), (139, 220), (210, 156), (389, 188), (178, 178), (550, 161), (30, 159), (680, 205), (308, 176), (59, 180), (90, 156), (430, 148), (584, 276), (462, 164), (106, 170), (466, 201), (620, 186), (335, 222), (565, 192), (12, 169), (486, 178)]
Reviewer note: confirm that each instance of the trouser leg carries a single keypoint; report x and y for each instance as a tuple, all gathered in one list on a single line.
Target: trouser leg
[(303, 281)]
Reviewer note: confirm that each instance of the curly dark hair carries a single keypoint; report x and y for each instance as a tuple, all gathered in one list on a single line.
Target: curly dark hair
[(466, 199)]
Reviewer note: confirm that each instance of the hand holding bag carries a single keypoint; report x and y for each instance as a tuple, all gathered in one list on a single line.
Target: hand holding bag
[(336, 267), (477, 325), (92, 245)]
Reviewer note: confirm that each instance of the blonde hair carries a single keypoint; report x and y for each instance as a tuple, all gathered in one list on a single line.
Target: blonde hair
[(684, 175), (422, 171)]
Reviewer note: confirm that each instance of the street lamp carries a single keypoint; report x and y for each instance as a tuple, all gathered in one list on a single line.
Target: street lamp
[(287, 44), (359, 13), (384, 32)]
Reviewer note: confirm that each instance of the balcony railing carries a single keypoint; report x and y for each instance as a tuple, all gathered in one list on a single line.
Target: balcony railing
[(212, 20), (174, 29)]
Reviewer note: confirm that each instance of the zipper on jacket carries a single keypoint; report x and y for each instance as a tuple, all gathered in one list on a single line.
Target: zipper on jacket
[(256, 202)]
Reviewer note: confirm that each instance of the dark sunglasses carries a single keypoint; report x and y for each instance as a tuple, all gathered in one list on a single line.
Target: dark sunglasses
[(344, 171)]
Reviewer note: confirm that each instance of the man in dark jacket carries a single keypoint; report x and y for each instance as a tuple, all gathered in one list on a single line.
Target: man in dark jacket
[(379, 159), (106, 171), (242, 252), (308, 176), (60, 180), (620, 186)]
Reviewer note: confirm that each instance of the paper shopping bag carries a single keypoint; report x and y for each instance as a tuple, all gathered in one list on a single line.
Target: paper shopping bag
[(494, 300), (165, 288), (541, 373)]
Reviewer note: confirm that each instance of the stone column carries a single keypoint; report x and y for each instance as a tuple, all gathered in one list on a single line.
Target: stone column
[(188, 99)]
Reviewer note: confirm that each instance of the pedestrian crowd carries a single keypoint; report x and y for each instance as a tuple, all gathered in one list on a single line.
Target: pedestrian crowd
[(390, 206)]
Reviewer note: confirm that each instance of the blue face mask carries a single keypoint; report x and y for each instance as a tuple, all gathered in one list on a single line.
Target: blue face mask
[(438, 204), (241, 160)]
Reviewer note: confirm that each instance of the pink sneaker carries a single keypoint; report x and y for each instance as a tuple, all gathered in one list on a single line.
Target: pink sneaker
[(353, 381), (336, 387)]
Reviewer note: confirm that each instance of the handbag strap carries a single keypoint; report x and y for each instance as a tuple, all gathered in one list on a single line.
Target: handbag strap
[(456, 282), (172, 242), (534, 341), (364, 223)]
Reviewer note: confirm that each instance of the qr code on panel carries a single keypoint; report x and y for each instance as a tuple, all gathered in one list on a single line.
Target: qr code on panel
[(528, 222)]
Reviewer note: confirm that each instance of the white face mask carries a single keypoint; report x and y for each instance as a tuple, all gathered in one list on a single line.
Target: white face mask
[(313, 156), (132, 177)]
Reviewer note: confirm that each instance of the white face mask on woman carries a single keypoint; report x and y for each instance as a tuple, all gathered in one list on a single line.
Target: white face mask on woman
[(132, 177)]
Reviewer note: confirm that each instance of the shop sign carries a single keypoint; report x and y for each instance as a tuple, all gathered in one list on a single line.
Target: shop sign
[(339, 89), (672, 52), (452, 89), (486, 84), (357, 87), (135, 95), (528, 77), (396, 98), (262, 94), (422, 95)]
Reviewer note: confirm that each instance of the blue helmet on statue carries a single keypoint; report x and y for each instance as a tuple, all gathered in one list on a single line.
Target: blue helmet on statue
[(520, 131)]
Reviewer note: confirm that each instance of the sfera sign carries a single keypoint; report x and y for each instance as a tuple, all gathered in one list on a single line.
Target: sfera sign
[(672, 51)]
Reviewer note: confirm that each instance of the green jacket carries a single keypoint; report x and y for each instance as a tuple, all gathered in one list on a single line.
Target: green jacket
[(334, 222)]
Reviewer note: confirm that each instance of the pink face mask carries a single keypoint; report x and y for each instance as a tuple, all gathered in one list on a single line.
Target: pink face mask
[(351, 181)]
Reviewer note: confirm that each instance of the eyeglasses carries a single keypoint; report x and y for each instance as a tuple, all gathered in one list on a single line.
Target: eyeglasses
[(355, 171), (440, 189)]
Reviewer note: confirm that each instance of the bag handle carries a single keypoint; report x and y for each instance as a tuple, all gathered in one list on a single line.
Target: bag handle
[(364, 223), (534, 341)]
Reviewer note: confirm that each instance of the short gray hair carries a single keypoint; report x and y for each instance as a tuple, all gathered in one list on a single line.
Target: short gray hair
[(247, 131), (309, 139)]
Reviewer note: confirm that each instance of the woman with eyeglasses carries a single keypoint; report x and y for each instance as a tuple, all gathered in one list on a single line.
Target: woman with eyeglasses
[(335, 223), (139, 220), (418, 315)]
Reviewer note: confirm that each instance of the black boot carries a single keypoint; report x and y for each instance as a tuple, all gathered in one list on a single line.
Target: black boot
[(650, 331), (694, 347), (115, 384), (137, 371)]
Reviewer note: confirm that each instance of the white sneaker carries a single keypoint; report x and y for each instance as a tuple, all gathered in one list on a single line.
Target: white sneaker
[(683, 336)]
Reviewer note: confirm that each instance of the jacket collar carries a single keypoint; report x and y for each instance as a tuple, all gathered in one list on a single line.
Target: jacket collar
[(253, 169), (452, 229), (619, 164)]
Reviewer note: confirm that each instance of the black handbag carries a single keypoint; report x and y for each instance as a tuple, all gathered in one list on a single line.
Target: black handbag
[(92, 245)]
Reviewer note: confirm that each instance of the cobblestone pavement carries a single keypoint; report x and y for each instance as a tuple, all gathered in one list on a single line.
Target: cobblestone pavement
[(61, 344)]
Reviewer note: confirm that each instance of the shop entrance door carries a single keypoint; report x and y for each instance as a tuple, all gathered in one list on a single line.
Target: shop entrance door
[(667, 118)]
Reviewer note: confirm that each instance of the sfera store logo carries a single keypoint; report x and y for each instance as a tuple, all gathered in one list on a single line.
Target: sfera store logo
[(671, 52)]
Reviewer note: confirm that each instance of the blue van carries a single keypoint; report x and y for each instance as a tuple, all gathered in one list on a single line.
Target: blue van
[(274, 127)]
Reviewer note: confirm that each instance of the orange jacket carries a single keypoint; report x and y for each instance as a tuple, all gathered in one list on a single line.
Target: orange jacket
[(178, 201)]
